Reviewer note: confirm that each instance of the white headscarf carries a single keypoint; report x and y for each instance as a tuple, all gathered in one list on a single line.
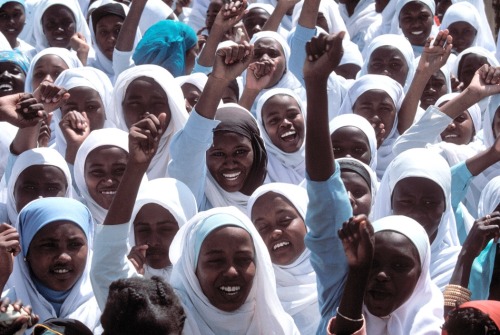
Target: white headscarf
[(466, 12), (296, 282), (158, 166), (97, 138), (396, 41), (282, 166), (155, 11), (73, 6), (395, 91), (331, 12), (288, 80), (262, 311), (490, 56), (197, 79), (474, 110), (80, 304), (38, 156), (67, 56), (426, 164), (383, 23), (82, 77), (354, 120), (422, 313), (357, 24), (176, 198)]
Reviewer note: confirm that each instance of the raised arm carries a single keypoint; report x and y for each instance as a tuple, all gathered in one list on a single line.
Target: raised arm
[(281, 9), (125, 40)]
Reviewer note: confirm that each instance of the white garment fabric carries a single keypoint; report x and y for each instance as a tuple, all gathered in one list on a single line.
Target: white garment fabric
[(260, 313), (424, 163), (296, 282), (67, 56), (490, 57), (288, 80), (197, 79), (395, 91), (331, 12), (81, 77), (354, 120), (358, 23), (466, 12), (422, 313), (176, 198), (282, 166), (4, 44), (158, 166), (38, 156), (42, 6), (383, 23), (391, 40), (97, 138), (80, 303), (490, 198), (155, 11)]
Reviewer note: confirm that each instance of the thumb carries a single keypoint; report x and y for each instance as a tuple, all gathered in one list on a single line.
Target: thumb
[(163, 122)]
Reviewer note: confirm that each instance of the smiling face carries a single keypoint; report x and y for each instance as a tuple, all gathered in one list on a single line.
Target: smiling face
[(463, 34), (48, 68), (144, 96), (226, 267), (434, 89), (268, 48), (57, 255), (284, 122), (389, 61), (360, 193), (281, 227), (394, 273), (39, 181), (59, 25), (416, 20), (88, 100), (12, 19), (350, 141), (378, 108), (460, 131), (420, 199), (12, 78), (156, 227), (106, 34), (104, 168), (230, 160)]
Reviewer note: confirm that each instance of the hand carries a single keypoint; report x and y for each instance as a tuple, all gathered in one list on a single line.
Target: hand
[(9, 248), (15, 317), (21, 110), (486, 82), (51, 96), (436, 54), (229, 15), (358, 241), (137, 257), (259, 74), (75, 127), (237, 33), (44, 133), (78, 43), (483, 230), (231, 61), (323, 55), (179, 4), (144, 137)]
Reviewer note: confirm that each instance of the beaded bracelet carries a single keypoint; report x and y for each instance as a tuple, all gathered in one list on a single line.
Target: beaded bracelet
[(349, 319), (456, 294)]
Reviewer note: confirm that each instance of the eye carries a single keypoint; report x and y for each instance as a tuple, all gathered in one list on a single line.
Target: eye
[(273, 121), (241, 152), (54, 188), (243, 261), (119, 171), (96, 173), (29, 187), (76, 244), (217, 154)]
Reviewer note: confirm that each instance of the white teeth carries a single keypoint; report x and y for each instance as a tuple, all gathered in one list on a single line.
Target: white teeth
[(11, 30), (59, 38), (451, 136), (230, 290), (288, 133), (5, 87), (417, 32), (231, 176), (61, 271), (280, 245), (108, 192)]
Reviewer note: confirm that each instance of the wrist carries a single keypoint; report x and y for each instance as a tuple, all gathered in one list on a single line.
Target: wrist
[(315, 81)]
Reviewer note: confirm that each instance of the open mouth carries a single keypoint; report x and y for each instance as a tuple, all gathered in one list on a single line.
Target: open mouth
[(230, 290), (450, 136), (6, 87), (231, 176), (280, 245), (418, 32), (289, 135), (108, 192), (61, 270)]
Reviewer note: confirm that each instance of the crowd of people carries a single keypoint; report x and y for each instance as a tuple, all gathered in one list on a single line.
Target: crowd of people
[(226, 167)]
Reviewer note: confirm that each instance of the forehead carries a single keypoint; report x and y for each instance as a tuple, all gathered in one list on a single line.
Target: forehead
[(65, 226), (272, 199), (387, 52), (82, 92), (374, 96), (34, 172), (415, 6), (257, 12), (353, 177), (12, 6), (51, 60), (57, 10), (460, 25), (348, 134), (389, 244), (9, 66), (280, 100), (230, 139), (109, 19), (145, 84), (105, 154), (268, 42), (218, 239)]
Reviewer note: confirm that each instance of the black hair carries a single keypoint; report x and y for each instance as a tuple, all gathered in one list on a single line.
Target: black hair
[(469, 321), (142, 306)]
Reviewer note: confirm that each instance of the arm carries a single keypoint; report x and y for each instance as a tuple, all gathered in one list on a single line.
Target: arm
[(81, 47), (433, 58), (9, 248), (75, 128), (283, 6), (125, 40)]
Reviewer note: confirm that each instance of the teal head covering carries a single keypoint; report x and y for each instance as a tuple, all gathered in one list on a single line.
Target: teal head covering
[(16, 57), (165, 44), (3, 2)]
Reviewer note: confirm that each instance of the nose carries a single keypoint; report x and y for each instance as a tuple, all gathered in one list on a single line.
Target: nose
[(5, 74), (286, 123), (451, 126), (188, 105), (351, 198), (276, 234), (231, 271), (48, 78), (382, 276), (64, 257)]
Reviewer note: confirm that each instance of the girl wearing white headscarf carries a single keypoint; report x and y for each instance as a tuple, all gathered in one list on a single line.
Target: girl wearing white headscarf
[(490, 57), (73, 6), (296, 282), (38, 156), (395, 41), (353, 120), (82, 77), (288, 79), (97, 138), (175, 197), (178, 114), (395, 91), (423, 163), (359, 21), (282, 166), (76, 303), (260, 313)]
